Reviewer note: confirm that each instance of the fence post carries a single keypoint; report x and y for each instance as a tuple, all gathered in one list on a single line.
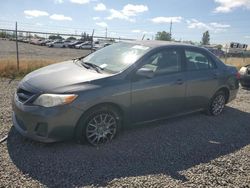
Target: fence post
[(17, 53)]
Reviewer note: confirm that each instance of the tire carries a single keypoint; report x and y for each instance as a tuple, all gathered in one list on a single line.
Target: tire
[(98, 126), (217, 104)]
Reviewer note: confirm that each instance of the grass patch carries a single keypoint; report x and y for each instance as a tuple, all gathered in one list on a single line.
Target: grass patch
[(236, 61), (8, 67)]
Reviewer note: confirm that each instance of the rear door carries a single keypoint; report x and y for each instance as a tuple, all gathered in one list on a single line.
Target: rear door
[(202, 78), (164, 94)]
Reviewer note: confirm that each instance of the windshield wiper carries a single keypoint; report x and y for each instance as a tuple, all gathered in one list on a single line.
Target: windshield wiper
[(79, 58), (92, 65), (88, 65)]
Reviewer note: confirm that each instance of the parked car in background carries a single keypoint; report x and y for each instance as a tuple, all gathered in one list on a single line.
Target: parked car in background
[(97, 45), (44, 42), (58, 44), (73, 44), (84, 45), (36, 41), (245, 76), (41, 43), (26, 40), (49, 43), (79, 45), (91, 98), (67, 42)]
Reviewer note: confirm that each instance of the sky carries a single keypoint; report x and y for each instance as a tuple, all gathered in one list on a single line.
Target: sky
[(226, 20)]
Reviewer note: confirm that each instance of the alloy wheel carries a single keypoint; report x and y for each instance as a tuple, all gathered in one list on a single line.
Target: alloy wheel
[(101, 128), (218, 104)]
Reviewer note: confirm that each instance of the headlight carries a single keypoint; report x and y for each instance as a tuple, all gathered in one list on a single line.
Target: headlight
[(49, 100)]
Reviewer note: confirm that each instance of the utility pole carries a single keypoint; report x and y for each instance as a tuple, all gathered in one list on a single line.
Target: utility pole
[(170, 32), (106, 32), (17, 54)]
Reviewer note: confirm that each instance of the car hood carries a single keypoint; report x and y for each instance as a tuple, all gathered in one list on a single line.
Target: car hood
[(60, 77)]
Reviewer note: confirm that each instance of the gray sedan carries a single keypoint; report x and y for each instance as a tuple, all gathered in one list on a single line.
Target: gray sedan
[(92, 98)]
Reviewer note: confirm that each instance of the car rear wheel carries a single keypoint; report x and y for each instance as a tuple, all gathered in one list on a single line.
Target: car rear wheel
[(217, 104), (99, 126)]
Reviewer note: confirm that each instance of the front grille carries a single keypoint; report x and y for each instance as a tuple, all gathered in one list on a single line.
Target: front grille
[(24, 95)]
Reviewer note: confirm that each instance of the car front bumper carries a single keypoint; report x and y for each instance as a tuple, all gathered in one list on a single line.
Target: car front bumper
[(45, 124)]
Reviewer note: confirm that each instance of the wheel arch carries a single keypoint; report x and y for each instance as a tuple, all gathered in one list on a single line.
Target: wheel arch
[(117, 107), (110, 104)]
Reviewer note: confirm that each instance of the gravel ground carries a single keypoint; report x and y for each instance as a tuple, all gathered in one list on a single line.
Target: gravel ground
[(189, 151), (30, 51)]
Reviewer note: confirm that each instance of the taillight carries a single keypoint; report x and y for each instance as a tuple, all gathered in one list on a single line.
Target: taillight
[(238, 75)]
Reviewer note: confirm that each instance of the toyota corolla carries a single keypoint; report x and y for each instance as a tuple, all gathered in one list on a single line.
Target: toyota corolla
[(93, 97)]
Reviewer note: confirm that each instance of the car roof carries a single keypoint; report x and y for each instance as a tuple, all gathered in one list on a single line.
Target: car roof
[(157, 43)]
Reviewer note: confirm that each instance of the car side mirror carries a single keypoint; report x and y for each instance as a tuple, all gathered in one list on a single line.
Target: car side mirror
[(145, 72)]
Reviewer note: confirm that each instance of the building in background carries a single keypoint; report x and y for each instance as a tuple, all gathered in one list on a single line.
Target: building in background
[(235, 49)]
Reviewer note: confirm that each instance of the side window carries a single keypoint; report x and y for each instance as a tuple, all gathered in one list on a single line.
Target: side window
[(164, 62), (197, 61)]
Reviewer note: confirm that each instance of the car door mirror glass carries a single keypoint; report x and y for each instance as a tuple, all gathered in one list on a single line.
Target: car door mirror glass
[(145, 72)]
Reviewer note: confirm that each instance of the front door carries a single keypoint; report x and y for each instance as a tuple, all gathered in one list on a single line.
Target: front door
[(164, 93)]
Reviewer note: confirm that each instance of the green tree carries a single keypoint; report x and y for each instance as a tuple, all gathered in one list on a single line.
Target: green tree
[(71, 38), (55, 37), (4, 34), (205, 38), (163, 35)]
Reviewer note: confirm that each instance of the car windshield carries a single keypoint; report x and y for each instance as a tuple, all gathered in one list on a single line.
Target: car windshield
[(117, 57)]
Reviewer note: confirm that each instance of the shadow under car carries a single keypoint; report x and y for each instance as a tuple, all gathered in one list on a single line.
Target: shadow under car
[(165, 147)]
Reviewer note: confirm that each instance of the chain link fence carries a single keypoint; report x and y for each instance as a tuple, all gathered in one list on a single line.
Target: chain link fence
[(24, 51)]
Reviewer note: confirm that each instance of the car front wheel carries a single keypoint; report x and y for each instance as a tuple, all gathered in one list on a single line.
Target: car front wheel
[(217, 104), (99, 126)]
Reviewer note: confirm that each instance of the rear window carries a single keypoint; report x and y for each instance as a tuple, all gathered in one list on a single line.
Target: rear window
[(197, 61)]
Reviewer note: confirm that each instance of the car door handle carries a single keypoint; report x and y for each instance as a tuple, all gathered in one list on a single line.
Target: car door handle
[(179, 82), (215, 75)]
